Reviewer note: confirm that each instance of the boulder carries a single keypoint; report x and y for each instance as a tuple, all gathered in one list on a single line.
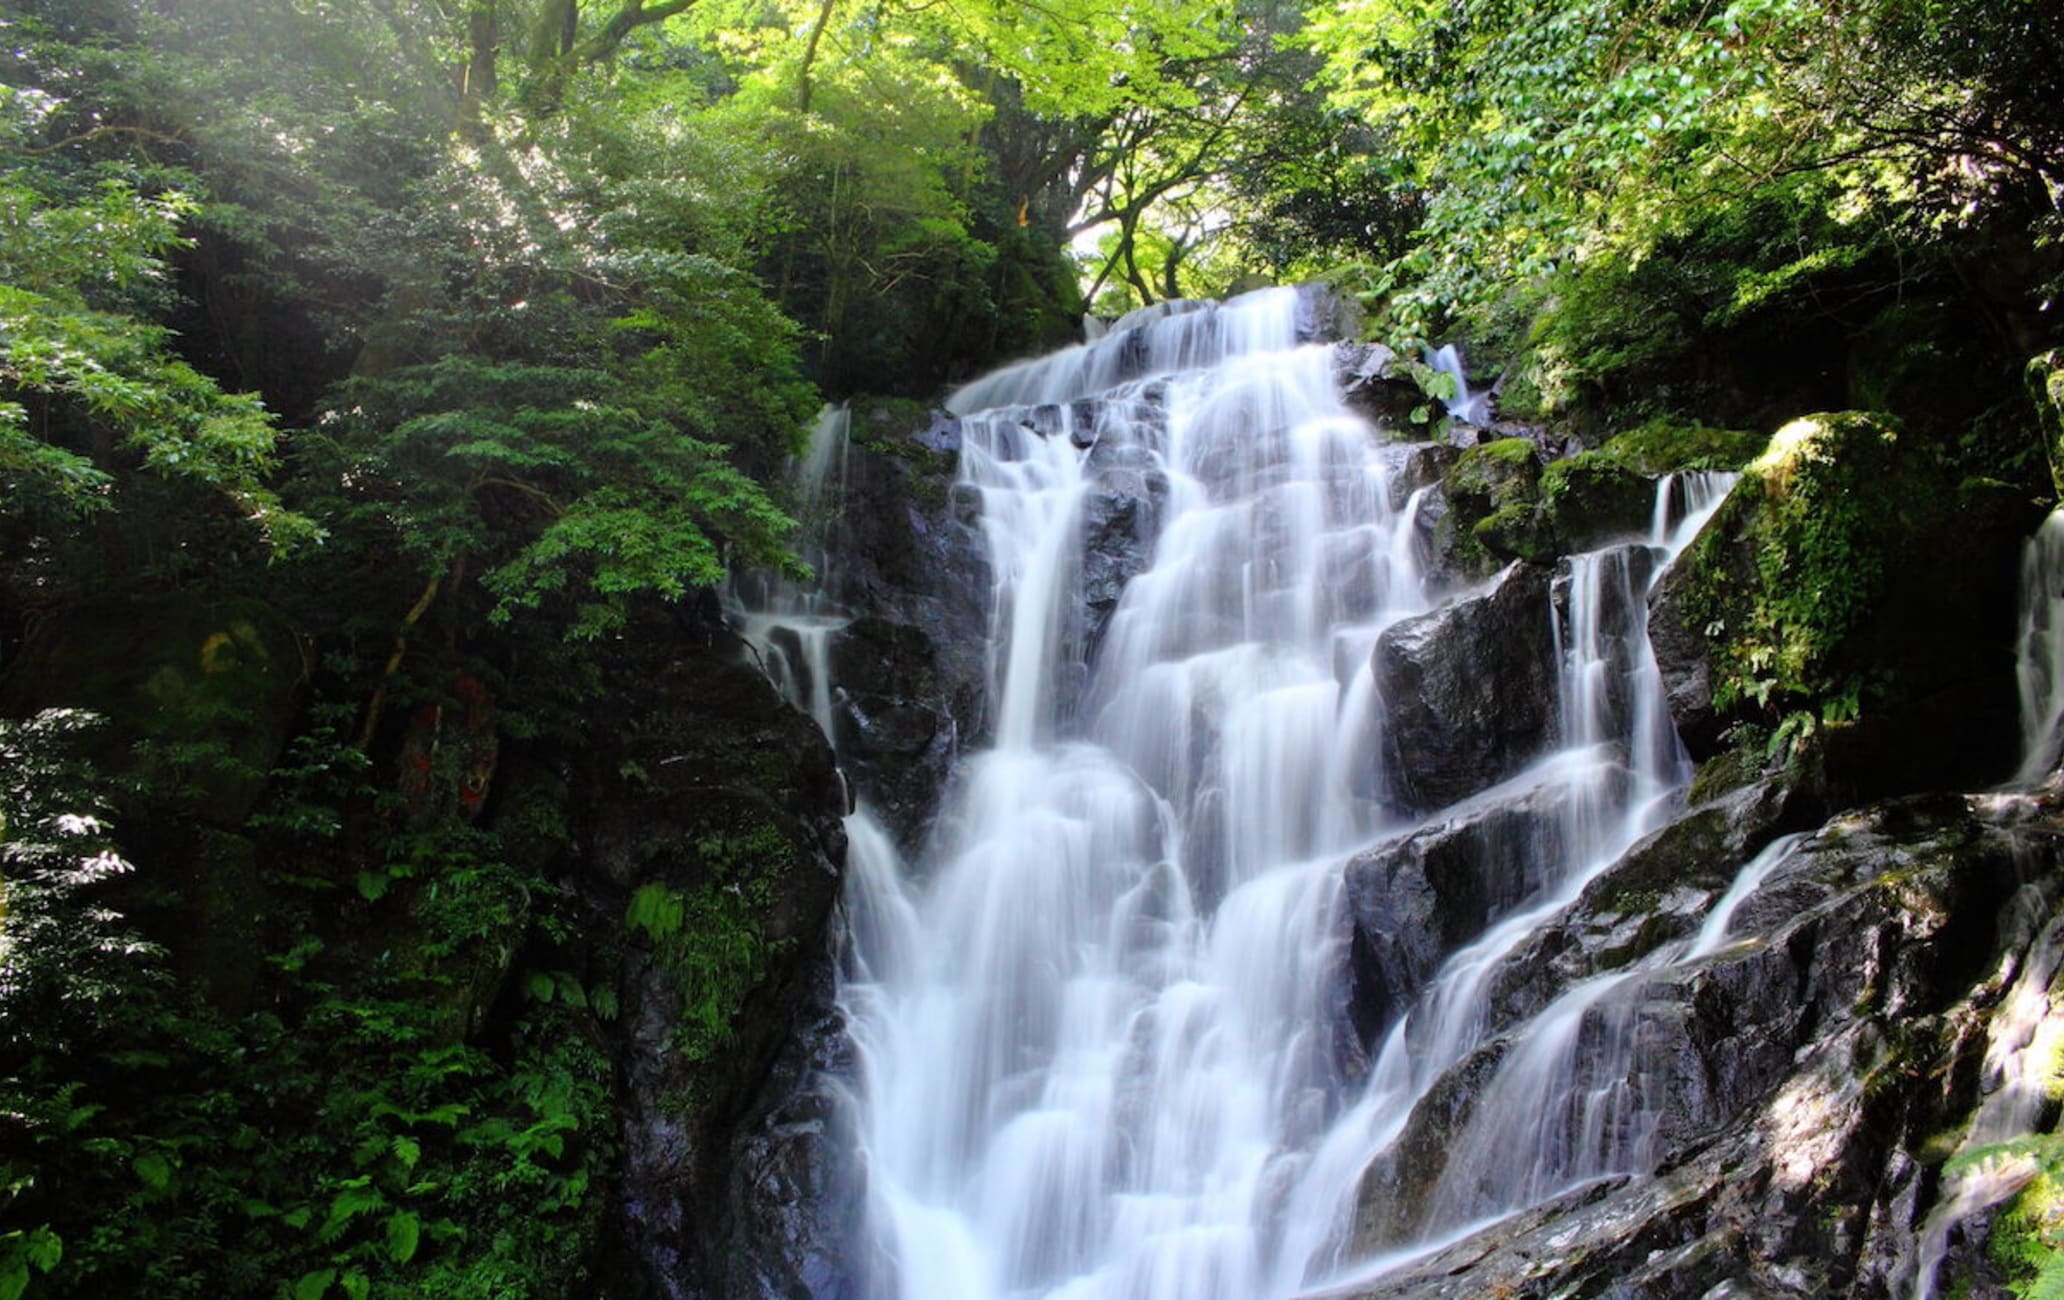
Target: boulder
[(1493, 511), (1469, 690), (1857, 586)]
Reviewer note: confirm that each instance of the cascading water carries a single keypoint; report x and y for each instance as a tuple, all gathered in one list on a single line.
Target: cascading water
[(2041, 651), (1472, 407), (1096, 1056), (790, 624), (1090, 1070)]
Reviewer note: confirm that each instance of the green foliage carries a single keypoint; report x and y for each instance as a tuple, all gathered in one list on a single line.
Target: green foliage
[(1555, 136), (1665, 446), (1820, 515), (77, 383), (2027, 1238), (345, 1141), (712, 937)]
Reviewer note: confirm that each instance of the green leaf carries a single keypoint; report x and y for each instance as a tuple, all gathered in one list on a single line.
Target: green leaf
[(372, 885), (154, 1170), (357, 1286), (314, 1286), (539, 987), (408, 1151), (404, 1230), (45, 1248)]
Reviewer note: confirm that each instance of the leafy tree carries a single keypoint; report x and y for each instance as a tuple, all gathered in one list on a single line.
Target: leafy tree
[(89, 392), (1550, 136)]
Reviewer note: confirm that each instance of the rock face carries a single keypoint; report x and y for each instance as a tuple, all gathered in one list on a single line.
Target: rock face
[(911, 562), (1797, 1078), (708, 790), (2045, 378), (1469, 689), (1846, 566), (1411, 903)]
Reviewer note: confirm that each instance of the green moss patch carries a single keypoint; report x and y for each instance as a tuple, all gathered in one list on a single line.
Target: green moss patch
[(1666, 446)]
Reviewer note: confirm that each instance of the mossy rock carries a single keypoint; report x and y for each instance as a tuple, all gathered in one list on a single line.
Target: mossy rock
[(1519, 531), (1850, 584), (1589, 500), (1494, 497), (1666, 446), (2045, 378)]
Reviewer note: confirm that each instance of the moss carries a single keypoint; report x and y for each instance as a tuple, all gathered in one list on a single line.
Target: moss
[(1495, 475), (1798, 558), (1509, 452), (1516, 532), (2027, 1238), (1494, 493), (713, 937), (1726, 772), (1589, 500), (1666, 446)]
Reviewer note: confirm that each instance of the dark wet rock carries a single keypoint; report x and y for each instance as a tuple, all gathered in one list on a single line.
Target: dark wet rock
[(1373, 386), (1412, 902), (1470, 690), (905, 551), (1799, 1078), (1121, 520), (702, 782)]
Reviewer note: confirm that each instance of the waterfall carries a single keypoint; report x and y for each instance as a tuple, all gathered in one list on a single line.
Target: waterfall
[(1467, 406), (2040, 647), (1096, 1028), (1100, 1047), (1684, 501), (1099, 1057), (790, 625)]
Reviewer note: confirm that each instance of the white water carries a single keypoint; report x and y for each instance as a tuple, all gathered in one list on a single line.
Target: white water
[(1712, 935), (2023, 1039), (1098, 1055), (1467, 406), (1684, 501), (2040, 665), (2026, 1032), (790, 625)]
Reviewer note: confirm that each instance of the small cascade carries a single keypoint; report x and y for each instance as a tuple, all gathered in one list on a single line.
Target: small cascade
[(2040, 647), (1712, 935), (1580, 1094), (1684, 502), (790, 625), (2023, 1040), (1469, 407)]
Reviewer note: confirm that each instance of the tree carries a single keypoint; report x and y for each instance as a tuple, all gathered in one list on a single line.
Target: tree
[(88, 394)]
